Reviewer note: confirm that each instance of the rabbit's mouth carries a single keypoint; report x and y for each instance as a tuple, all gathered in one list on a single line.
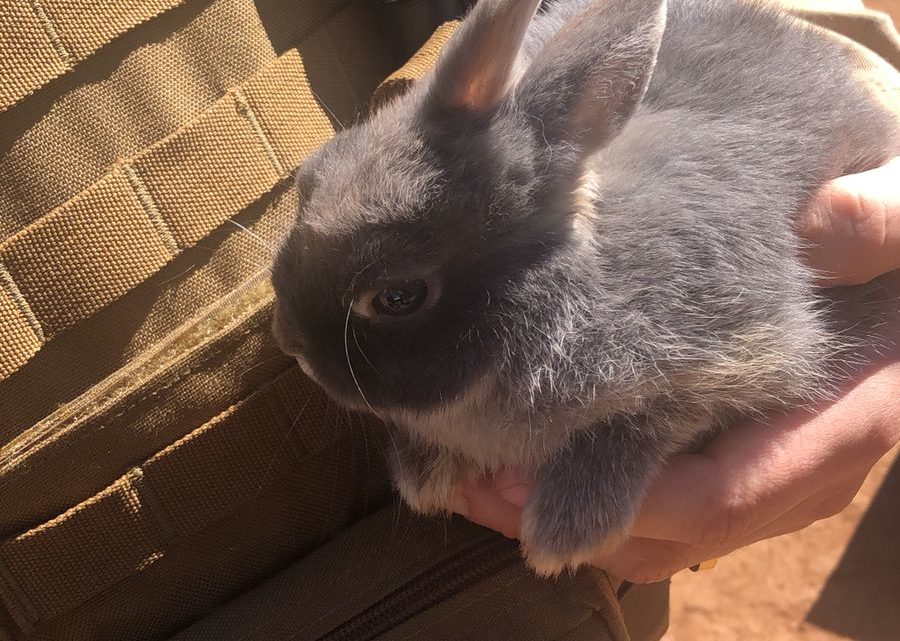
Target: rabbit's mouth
[(350, 402)]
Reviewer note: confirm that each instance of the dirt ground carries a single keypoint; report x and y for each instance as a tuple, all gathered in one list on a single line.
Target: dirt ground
[(838, 579)]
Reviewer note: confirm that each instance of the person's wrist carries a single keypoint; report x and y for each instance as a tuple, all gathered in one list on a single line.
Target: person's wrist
[(884, 429)]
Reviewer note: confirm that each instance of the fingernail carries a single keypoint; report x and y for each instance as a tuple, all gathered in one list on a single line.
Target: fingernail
[(513, 486), (459, 504), (517, 495)]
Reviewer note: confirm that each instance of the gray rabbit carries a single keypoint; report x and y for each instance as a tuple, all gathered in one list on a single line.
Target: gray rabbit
[(571, 248)]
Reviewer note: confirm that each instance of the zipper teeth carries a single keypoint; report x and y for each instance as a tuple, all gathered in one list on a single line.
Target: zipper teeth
[(455, 574)]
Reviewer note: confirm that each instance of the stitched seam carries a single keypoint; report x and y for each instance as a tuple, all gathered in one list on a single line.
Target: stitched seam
[(149, 206), (148, 496), (52, 34), (221, 350), (246, 110), (24, 308), (137, 480), (18, 593), (218, 354)]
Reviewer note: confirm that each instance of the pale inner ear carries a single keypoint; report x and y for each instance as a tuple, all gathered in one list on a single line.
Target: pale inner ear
[(610, 96), (591, 76), (476, 70)]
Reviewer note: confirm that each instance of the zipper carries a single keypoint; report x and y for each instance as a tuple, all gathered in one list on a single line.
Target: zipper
[(451, 576)]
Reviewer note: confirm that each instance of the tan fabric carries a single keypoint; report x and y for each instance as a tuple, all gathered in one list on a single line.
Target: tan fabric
[(119, 103), (42, 39), (86, 145), (22, 333), (127, 225), (309, 601), (95, 545)]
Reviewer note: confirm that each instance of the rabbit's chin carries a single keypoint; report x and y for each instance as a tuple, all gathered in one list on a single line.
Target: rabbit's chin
[(472, 424), (348, 402)]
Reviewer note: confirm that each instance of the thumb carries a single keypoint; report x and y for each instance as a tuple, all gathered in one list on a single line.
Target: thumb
[(854, 225)]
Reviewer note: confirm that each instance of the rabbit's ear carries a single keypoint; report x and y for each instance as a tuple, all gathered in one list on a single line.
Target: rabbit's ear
[(590, 77), (476, 67)]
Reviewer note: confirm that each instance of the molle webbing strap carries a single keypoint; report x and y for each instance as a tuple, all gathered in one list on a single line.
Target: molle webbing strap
[(53, 568), (416, 67), (42, 39), (21, 332), (122, 229)]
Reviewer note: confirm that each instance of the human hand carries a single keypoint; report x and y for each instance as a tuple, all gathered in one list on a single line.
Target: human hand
[(757, 481), (854, 226)]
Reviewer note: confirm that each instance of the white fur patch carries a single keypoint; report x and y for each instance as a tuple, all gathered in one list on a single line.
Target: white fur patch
[(475, 426), (585, 197)]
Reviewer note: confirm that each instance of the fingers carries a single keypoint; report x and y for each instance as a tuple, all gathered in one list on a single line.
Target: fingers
[(854, 226), (753, 482), (742, 480), (760, 481), (753, 473), (514, 486), (642, 560), (691, 502), (650, 560), (488, 503)]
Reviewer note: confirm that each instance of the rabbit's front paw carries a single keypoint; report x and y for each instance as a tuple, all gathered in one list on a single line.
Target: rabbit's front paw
[(558, 535), (588, 495), (433, 492), (427, 477)]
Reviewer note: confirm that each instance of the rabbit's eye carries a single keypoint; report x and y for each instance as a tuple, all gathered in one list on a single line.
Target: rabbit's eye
[(402, 299)]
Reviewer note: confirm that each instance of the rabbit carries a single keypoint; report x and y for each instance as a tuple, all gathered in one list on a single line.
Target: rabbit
[(571, 248)]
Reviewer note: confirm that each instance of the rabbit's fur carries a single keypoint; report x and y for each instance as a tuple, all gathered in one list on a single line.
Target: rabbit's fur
[(602, 202)]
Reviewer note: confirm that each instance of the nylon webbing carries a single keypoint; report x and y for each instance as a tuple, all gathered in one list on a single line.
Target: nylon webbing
[(122, 229), (416, 67), (43, 39), (22, 335), (181, 490)]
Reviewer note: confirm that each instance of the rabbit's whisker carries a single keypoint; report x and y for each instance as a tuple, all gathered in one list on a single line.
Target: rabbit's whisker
[(328, 109), (270, 248), (350, 365), (359, 347)]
